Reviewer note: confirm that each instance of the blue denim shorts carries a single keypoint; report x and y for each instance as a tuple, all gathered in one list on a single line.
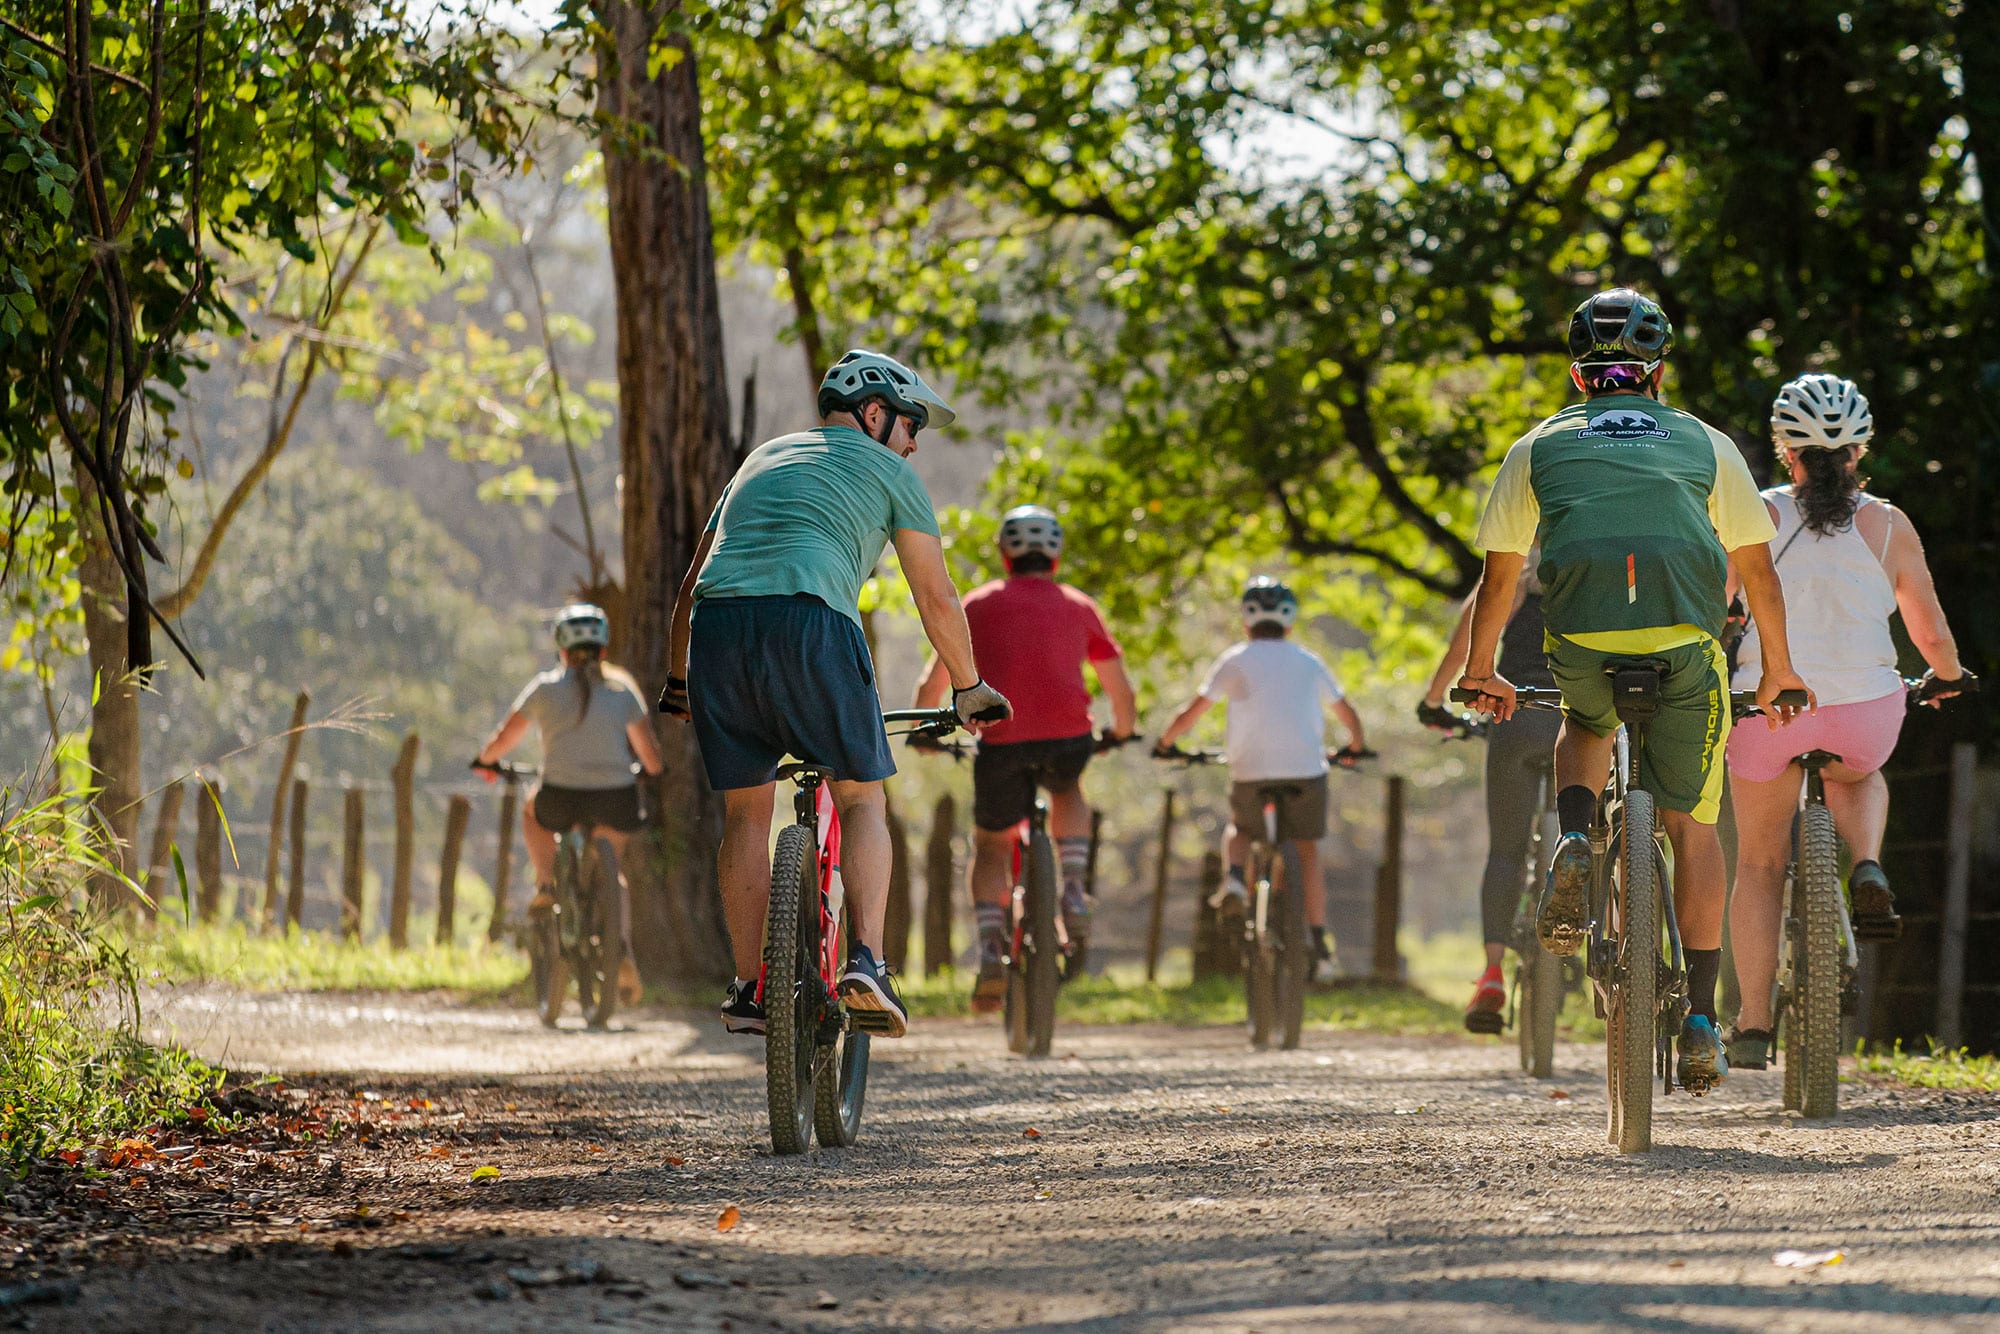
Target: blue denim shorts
[(775, 676)]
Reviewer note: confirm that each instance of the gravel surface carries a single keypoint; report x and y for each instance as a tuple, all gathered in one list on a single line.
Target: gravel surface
[(1141, 1179)]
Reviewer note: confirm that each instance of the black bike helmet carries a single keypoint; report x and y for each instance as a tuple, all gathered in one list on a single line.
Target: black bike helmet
[(1620, 327)]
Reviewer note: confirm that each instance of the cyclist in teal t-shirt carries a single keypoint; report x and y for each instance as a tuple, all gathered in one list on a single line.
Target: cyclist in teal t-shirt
[(767, 657)]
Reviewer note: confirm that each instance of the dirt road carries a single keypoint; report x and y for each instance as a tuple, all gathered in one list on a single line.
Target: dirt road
[(1174, 1181)]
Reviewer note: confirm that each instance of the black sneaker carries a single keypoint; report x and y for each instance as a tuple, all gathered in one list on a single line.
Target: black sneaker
[(1561, 920), (868, 992), (1874, 906), (742, 1012), (1749, 1049)]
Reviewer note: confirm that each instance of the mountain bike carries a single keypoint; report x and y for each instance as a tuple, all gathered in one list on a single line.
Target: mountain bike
[(1040, 955), (815, 1048), (1819, 957), (1277, 946), (581, 936), (1541, 980), (1633, 955)]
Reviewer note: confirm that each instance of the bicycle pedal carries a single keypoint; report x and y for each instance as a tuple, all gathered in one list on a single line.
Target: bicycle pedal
[(1872, 930), (878, 1023), (1485, 1021)]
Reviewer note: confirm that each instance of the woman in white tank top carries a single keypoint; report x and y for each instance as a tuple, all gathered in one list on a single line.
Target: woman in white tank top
[(1848, 561)]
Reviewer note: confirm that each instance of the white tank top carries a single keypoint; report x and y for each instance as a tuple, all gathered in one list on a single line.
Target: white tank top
[(1838, 600)]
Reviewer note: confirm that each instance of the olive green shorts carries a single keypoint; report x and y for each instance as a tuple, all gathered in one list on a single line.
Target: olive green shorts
[(1681, 760)]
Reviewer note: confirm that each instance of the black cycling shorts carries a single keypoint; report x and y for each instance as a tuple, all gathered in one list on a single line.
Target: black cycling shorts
[(1004, 777), (560, 809)]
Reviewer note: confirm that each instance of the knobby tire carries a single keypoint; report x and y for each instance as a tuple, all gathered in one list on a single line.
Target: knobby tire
[(791, 989), (1043, 973), (605, 934), (1540, 973), (1815, 1036), (840, 1076), (1294, 958), (1631, 1028)]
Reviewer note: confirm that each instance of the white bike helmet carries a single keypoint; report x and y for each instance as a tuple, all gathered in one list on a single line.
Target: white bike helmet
[(862, 375), (1821, 412), (1268, 602), (1030, 529), (582, 625)]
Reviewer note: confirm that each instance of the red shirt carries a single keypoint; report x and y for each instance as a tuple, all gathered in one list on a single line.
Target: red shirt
[(1031, 637)]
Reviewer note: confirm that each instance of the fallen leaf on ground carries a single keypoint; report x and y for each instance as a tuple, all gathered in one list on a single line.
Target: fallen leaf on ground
[(1558, 1094), (729, 1218), (486, 1172), (1031, 1133), (673, 1161)]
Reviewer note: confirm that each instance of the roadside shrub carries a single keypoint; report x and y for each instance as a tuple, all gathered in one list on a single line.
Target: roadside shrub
[(72, 1064)]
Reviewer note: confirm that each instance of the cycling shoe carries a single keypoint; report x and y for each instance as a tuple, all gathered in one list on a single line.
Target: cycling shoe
[(1703, 1064), (1562, 918)]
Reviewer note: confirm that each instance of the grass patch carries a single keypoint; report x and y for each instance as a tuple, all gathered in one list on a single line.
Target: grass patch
[(72, 1065), (304, 961), (1119, 998), (1940, 1069)]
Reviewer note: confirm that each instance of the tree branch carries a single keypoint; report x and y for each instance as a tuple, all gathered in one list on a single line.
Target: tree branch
[(1357, 421), (1300, 537)]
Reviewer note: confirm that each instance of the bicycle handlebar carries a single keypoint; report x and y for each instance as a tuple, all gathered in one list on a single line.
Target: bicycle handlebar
[(513, 773), (1180, 756)]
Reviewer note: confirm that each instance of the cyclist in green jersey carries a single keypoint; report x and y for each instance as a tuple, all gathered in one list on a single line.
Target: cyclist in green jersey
[(1638, 508)]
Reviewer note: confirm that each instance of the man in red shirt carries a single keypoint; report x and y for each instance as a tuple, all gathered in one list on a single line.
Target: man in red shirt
[(1032, 636)]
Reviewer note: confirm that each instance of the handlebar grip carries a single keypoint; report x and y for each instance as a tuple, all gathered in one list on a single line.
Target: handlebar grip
[(1792, 699), (997, 713), (1460, 695)]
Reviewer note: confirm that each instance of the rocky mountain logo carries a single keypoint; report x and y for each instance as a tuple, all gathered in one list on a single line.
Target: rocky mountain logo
[(1623, 424)]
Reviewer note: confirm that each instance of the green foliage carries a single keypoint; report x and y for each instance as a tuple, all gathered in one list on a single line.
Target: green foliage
[(302, 961), (1939, 1069), (72, 1065), (1263, 285)]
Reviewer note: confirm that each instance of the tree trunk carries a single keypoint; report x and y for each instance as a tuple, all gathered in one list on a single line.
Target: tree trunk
[(114, 712), (674, 447)]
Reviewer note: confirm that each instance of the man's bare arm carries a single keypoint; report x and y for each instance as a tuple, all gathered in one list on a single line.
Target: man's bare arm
[(683, 622), (922, 559)]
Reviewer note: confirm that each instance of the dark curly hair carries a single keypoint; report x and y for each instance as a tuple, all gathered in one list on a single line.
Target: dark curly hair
[(1831, 491)]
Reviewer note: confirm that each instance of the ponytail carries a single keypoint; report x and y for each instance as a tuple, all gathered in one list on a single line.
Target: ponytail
[(1830, 493), (588, 664)]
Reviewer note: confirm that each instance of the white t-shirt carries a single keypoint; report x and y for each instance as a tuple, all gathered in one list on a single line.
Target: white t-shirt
[(1277, 694)]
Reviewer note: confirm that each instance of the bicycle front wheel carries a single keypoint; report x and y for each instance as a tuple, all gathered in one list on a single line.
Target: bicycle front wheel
[(840, 1081), (1631, 1027), (1813, 1039), (1043, 973), (791, 990), (546, 968), (604, 931), (1294, 958)]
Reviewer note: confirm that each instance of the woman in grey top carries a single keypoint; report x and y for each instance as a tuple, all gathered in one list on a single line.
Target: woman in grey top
[(593, 724)]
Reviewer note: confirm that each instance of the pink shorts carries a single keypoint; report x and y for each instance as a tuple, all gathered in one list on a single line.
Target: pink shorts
[(1861, 734)]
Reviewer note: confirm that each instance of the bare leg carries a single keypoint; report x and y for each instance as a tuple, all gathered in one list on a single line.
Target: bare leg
[(1315, 886), (541, 846), (1583, 759), (1763, 850), (992, 866), (1235, 846), (864, 856), (1496, 954), (1069, 814), (745, 872), (619, 841), (1860, 806), (1700, 880)]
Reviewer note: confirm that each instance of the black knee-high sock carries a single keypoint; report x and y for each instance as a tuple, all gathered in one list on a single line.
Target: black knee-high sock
[(1576, 807), (1703, 965)]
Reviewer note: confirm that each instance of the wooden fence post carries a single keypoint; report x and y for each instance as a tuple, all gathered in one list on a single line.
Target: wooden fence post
[(352, 864), (455, 819), (158, 866), (400, 778), (295, 892), (1389, 890), (938, 887), (503, 869), (279, 791), (1160, 868), (896, 929), (208, 850), (1957, 898)]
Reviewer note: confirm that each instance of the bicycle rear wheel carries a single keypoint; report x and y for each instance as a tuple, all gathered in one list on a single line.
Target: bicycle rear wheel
[(840, 1080), (791, 990), (1813, 1041), (604, 934), (1042, 974), (1631, 1027), (1294, 958), (1259, 955), (548, 964)]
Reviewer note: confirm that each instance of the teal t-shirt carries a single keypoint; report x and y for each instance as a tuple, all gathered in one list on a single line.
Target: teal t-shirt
[(810, 513)]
